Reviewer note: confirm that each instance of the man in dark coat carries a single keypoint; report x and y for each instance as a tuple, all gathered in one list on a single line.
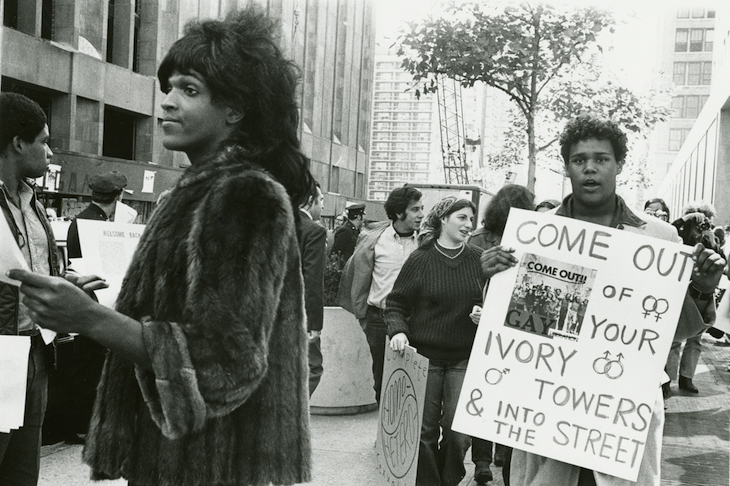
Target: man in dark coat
[(312, 248), (346, 235), (106, 190), (72, 388)]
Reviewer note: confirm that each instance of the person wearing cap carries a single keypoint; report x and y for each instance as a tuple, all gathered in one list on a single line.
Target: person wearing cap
[(79, 359), (106, 190), (346, 235)]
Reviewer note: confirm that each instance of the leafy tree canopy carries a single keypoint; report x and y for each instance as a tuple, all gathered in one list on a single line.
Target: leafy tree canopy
[(545, 58)]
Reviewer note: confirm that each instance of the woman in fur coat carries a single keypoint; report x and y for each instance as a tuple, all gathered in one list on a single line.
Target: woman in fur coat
[(206, 381)]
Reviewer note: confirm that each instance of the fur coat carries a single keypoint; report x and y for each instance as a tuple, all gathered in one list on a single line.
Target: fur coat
[(216, 282)]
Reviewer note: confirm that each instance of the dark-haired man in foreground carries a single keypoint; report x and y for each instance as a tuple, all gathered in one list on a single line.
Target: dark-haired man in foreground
[(24, 155)]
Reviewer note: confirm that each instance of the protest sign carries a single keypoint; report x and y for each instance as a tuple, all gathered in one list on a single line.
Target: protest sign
[(107, 250), (401, 414), (14, 352), (572, 342)]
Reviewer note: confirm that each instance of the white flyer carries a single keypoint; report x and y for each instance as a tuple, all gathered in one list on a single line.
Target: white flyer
[(14, 352), (107, 250)]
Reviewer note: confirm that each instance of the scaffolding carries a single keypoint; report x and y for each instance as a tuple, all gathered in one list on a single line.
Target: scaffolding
[(453, 150)]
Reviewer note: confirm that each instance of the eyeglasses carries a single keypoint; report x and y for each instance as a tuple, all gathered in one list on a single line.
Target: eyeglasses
[(657, 213)]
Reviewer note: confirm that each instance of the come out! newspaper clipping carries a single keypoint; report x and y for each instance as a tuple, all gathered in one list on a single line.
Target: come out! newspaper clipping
[(570, 350)]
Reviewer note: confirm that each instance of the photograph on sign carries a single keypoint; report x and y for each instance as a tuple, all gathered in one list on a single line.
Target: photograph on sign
[(550, 297), (401, 415), (571, 346)]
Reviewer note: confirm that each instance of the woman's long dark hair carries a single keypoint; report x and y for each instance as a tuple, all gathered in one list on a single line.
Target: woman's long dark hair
[(239, 60), (509, 196)]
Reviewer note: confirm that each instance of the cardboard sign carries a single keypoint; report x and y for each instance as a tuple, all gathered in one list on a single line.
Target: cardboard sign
[(401, 414), (107, 250), (572, 343)]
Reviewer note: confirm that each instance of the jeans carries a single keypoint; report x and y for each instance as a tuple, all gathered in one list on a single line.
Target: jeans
[(376, 330), (442, 464), (20, 450), (315, 364), (690, 357)]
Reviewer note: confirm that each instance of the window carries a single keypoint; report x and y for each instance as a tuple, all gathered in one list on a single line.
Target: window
[(692, 73), (710, 14), (677, 137), (691, 106), (706, 73), (680, 73), (680, 40), (683, 13), (698, 13), (693, 40), (696, 38), (709, 39), (687, 106), (119, 132)]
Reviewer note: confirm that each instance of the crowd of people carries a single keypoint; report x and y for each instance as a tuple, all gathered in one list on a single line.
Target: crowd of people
[(213, 348)]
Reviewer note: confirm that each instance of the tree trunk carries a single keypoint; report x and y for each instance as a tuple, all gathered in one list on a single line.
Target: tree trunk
[(531, 152), (532, 108)]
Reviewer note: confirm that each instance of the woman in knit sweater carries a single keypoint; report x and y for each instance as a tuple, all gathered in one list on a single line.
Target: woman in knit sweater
[(429, 309)]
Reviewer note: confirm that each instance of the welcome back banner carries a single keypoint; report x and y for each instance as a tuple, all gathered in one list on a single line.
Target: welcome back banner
[(569, 353)]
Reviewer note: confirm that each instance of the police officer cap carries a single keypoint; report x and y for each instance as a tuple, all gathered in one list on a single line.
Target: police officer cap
[(356, 208), (108, 182)]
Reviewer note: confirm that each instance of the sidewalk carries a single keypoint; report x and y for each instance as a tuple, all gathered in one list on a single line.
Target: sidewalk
[(696, 448)]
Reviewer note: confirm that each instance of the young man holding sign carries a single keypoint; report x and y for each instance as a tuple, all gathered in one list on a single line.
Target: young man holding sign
[(594, 152)]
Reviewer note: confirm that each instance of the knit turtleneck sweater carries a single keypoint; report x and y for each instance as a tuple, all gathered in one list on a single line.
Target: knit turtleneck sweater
[(431, 301)]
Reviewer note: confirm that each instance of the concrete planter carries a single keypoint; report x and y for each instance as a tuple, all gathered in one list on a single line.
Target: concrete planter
[(347, 381)]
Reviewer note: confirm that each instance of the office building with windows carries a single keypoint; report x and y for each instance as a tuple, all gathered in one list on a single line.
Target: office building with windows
[(92, 66), (701, 167), (685, 64), (404, 134)]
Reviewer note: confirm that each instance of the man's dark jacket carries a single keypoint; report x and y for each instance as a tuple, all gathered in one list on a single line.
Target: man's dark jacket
[(312, 249), (9, 294), (345, 240), (73, 246)]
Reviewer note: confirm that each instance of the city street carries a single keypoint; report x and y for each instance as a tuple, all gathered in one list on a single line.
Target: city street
[(696, 440)]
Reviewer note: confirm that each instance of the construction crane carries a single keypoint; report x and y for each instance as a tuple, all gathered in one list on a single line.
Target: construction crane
[(453, 150)]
